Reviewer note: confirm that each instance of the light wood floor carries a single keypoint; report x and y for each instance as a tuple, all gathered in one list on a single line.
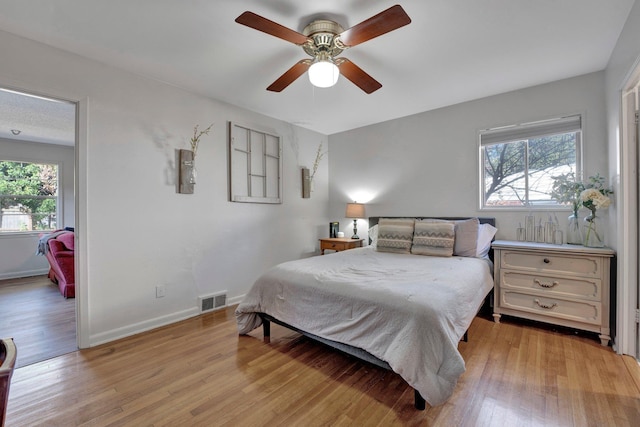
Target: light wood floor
[(199, 372), (39, 319)]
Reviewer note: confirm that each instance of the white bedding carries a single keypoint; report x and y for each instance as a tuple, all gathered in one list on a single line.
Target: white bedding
[(408, 310)]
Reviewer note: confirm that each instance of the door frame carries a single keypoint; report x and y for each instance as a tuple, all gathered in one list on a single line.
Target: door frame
[(628, 334), (80, 200)]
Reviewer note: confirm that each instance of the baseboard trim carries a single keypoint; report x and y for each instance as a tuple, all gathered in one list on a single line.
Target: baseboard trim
[(147, 325), (235, 300), (136, 328), (21, 274)]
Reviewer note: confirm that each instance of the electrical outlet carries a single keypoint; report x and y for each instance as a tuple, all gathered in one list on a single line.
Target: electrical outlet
[(160, 291)]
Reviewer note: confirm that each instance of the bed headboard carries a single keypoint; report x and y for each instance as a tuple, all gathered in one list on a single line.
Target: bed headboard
[(373, 220)]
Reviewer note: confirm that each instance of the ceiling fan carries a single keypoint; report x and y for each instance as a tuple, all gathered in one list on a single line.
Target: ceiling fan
[(324, 40)]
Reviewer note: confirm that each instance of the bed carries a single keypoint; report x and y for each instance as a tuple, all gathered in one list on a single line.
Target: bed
[(397, 309)]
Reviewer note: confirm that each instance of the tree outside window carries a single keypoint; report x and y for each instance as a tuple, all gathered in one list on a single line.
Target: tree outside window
[(518, 170), (28, 196)]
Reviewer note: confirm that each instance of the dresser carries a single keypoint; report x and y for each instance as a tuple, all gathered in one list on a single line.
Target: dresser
[(565, 285)]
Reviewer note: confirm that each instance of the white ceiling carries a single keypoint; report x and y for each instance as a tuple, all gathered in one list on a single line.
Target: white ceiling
[(453, 50)]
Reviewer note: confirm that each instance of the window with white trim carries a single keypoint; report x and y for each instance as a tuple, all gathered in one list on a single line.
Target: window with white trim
[(518, 163), (28, 196)]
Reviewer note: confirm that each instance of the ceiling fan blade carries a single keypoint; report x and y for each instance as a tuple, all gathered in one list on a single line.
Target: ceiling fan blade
[(357, 76), (259, 23), (290, 76), (387, 20)]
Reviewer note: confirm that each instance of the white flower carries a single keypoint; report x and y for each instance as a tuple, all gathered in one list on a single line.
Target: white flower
[(601, 201), (592, 197), (589, 194)]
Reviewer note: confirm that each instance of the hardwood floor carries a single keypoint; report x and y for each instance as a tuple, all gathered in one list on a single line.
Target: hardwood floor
[(41, 321), (199, 372)]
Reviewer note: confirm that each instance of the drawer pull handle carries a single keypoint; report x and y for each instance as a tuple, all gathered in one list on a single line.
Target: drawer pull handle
[(547, 306), (546, 260), (545, 285)]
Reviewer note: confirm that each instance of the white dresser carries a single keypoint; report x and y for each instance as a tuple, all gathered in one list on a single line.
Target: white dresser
[(565, 285)]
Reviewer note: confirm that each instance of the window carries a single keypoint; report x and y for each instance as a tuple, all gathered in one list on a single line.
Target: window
[(28, 196), (256, 165), (518, 163)]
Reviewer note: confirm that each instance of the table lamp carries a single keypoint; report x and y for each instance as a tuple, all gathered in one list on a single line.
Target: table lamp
[(355, 211)]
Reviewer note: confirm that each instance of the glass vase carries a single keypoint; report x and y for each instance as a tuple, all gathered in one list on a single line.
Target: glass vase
[(574, 234), (593, 231), (193, 173)]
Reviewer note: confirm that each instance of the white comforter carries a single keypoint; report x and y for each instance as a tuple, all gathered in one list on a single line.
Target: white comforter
[(408, 310)]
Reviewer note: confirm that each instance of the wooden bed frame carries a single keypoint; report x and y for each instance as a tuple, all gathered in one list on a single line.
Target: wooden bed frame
[(419, 401)]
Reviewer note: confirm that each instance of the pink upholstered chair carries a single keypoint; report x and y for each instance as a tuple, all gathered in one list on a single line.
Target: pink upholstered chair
[(60, 255), (8, 355)]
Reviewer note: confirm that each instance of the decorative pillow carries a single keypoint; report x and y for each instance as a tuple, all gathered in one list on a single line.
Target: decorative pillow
[(395, 235), (433, 238), (373, 236), (485, 236), (466, 237)]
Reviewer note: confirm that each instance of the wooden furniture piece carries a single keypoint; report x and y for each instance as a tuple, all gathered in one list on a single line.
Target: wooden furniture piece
[(565, 285), (339, 244), (8, 355)]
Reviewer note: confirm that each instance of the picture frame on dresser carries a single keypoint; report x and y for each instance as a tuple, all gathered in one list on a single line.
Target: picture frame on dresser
[(565, 285)]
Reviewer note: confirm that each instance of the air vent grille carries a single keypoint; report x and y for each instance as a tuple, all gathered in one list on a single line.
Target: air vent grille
[(213, 302)]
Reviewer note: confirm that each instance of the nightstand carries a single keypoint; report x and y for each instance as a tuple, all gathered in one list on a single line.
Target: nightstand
[(339, 244), (565, 285)]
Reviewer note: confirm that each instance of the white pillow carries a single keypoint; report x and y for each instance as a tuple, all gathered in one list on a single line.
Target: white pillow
[(485, 235), (373, 236)]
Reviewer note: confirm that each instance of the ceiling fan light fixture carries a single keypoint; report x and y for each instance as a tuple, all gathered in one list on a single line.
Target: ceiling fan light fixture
[(323, 72)]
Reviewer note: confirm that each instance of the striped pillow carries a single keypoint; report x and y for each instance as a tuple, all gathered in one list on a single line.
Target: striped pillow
[(433, 238), (395, 235)]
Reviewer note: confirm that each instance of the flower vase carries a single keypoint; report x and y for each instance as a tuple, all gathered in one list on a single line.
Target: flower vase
[(593, 231), (193, 173), (574, 234)]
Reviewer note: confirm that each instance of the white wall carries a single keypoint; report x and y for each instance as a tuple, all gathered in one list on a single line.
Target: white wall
[(18, 252), (427, 164), (138, 232)]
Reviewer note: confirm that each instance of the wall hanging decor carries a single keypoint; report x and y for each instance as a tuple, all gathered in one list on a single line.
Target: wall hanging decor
[(186, 160), (307, 176), (186, 172), (255, 165), (306, 183)]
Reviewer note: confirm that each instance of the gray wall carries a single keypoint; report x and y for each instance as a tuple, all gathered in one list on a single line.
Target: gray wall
[(427, 164)]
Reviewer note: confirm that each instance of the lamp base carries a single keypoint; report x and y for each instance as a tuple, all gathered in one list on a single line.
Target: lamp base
[(355, 229)]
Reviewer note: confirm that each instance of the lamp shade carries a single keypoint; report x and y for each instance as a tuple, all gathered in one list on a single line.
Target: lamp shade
[(323, 73), (355, 210)]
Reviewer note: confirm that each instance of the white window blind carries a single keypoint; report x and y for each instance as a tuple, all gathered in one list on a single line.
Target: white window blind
[(531, 130)]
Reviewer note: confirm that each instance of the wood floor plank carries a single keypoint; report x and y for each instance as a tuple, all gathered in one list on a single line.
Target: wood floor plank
[(199, 372), (40, 320)]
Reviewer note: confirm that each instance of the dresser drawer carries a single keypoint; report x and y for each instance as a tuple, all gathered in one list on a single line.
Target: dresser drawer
[(551, 263), (581, 311), (559, 286)]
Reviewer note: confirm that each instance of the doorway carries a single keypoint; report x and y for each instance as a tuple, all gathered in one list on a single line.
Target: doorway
[(37, 131), (629, 292)]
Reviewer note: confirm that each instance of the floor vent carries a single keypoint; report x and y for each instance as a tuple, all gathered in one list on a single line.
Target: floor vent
[(213, 302)]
